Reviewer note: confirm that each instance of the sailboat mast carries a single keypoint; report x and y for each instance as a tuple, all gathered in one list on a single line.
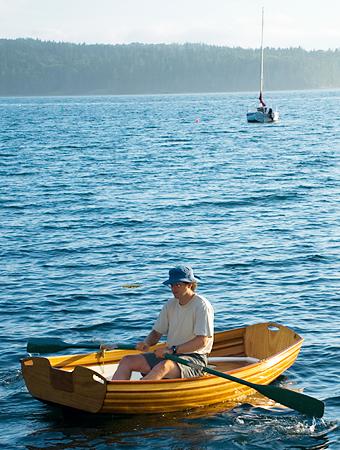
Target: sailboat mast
[(261, 77)]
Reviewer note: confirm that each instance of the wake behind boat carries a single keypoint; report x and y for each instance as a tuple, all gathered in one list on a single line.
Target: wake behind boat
[(263, 114)]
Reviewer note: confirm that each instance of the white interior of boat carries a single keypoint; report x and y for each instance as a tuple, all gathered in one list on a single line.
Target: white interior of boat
[(107, 370)]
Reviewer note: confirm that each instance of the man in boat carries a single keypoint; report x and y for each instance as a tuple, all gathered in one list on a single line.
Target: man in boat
[(187, 319)]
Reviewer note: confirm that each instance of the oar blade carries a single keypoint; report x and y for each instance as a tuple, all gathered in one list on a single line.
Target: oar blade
[(303, 403), (46, 345), (52, 345)]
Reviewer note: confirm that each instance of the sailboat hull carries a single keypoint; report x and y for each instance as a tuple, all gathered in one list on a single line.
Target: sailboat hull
[(262, 116)]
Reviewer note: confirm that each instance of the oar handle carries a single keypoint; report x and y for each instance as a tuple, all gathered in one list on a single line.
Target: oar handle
[(118, 346), (125, 346), (85, 344)]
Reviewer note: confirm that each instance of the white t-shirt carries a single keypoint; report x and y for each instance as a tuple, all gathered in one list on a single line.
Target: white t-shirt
[(183, 323)]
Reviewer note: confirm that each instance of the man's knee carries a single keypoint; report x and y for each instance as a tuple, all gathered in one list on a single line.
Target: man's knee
[(128, 360), (135, 362), (167, 366)]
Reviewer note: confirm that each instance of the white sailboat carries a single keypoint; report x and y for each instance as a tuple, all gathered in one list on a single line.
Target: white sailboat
[(263, 114)]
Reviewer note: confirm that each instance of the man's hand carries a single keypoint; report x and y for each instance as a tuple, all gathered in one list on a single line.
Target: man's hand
[(160, 351), (142, 346)]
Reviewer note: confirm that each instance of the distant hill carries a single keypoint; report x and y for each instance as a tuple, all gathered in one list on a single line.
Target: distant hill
[(34, 67)]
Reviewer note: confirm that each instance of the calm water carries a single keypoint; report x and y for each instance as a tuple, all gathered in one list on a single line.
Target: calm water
[(101, 192)]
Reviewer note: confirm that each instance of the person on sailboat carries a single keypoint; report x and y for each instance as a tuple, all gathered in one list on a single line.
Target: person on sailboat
[(262, 106)]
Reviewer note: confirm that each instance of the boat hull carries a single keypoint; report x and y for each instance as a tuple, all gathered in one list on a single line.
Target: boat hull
[(80, 381), (262, 117)]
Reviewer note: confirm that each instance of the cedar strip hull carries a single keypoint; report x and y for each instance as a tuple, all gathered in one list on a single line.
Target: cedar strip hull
[(76, 381)]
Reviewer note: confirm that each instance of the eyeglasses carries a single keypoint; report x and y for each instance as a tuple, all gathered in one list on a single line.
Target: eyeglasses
[(177, 285)]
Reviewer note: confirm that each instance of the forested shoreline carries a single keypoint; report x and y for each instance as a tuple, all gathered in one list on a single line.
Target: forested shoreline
[(34, 67)]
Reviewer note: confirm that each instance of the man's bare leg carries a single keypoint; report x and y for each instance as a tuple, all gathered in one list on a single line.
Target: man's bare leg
[(131, 363), (163, 369)]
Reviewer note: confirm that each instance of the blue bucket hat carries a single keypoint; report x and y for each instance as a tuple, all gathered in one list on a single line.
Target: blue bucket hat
[(183, 274)]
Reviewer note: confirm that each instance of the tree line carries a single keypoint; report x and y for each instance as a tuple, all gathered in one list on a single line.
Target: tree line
[(34, 67)]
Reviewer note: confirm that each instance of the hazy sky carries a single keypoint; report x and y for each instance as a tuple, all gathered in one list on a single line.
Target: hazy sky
[(311, 24)]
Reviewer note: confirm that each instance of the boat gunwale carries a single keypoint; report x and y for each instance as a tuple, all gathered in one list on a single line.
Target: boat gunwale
[(237, 370)]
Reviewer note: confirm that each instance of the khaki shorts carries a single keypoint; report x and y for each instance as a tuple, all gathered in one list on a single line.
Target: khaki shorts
[(186, 371)]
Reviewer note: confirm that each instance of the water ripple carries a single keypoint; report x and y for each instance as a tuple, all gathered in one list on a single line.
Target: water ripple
[(101, 193)]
